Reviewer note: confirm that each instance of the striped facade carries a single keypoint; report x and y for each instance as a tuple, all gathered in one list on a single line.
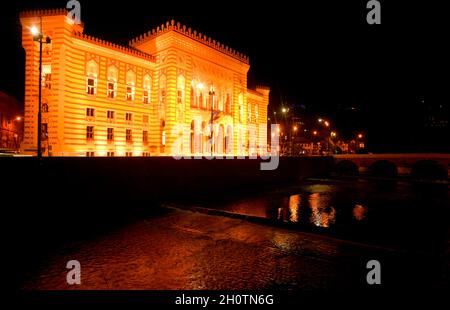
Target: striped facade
[(159, 96)]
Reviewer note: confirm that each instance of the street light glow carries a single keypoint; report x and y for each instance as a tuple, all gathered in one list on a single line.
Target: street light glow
[(34, 31), (360, 136), (295, 128), (284, 110), (315, 132), (18, 118), (327, 124), (320, 120), (200, 86)]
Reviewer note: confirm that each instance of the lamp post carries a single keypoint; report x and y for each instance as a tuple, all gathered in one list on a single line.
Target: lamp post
[(211, 95), (39, 37)]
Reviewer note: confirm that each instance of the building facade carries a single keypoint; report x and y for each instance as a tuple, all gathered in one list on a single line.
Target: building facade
[(11, 122), (159, 96)]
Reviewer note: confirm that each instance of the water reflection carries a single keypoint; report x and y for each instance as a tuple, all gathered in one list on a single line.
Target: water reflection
[(356, 210), (294, 208), (359, 212), (322, 215)]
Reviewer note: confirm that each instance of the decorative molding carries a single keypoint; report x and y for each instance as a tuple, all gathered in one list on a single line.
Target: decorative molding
[(127, 50), (199, 37)]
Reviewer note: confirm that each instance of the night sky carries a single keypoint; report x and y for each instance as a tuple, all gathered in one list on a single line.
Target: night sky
[(321, 55)]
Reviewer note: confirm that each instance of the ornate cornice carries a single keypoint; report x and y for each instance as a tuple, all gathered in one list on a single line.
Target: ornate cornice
[(199, 37)]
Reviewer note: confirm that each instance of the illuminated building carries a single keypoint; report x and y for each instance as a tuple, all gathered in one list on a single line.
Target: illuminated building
[(156, 97)]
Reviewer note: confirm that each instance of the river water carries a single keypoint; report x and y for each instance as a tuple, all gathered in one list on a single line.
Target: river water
[(394, 214)]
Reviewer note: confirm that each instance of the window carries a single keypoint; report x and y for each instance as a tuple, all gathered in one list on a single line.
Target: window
[(130, 88), (90, 132), (181, 81), (91, 77), (90, 112), (129, 117), (110, 134), (228, 104), (145, 137), (193, 97), (249, 113), (44, 132), (111, 115), (91, 86), (45, 108), (202, 102), (47, 76), (162, 96), (129, 154), (256, 113), (128, 136), (110, 154), (179, 97), (111, 85), (147, 89), (111, 89), (241, 107), (145, 119), (163, 138), (146, 154), (90, 154)]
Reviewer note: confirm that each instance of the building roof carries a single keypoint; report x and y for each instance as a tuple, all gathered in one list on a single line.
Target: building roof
[(188, 32)]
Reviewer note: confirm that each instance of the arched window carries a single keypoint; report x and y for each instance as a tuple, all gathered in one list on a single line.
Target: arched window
[(111, 87), (192, 138), (193, 97), (162, 96), (241, 107), (147, 89), (180, 97), (131, 85), (220, 140), (44, 107), (229, 140), (91, 77), (228, 104), (204, 138), (256, 113)]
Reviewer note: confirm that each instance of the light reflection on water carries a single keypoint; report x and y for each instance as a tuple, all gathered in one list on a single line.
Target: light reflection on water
[(388, 212)]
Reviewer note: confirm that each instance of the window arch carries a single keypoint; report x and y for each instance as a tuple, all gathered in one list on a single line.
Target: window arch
[(229, 140), (113, 76), (162, 95), (192, 138), (91, 77), (147, 89), (180, 97), (131, 85), (228, 104), (241, 107)]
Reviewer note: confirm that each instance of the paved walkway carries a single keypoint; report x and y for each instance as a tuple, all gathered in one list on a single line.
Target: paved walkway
[(185, 250)]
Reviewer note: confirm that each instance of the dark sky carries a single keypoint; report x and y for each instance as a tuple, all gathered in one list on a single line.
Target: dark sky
[(320, 54)]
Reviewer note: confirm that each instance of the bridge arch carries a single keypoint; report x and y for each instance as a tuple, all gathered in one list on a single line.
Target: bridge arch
[(383, 168), (429, 169)]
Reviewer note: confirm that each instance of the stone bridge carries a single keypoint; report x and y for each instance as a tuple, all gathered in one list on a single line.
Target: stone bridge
[(421, 166)]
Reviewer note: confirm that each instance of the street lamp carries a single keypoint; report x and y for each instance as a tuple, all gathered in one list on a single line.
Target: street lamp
[(39, 37), (212, 92)]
